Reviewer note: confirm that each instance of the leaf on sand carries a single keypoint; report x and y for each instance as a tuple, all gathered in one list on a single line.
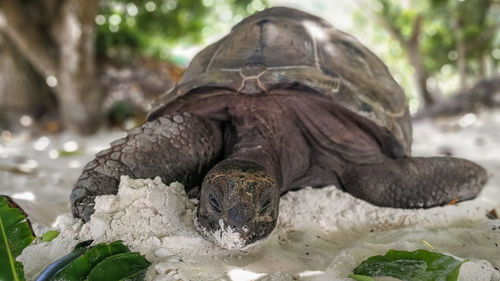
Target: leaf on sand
[(126, 266), (61, 263), (420, 265), (15, 235), (65, 153), (50, 235), (360, 277), (79, 268), (112, 261)]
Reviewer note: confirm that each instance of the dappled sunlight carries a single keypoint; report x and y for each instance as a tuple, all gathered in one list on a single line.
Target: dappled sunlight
[(309, 273), (51, 81), (467, 120), (26, 121), (70, 146), (41, 144), (24, 196), (53, 154), (6, 135), (237, 274), (28, 166), (75, 164)]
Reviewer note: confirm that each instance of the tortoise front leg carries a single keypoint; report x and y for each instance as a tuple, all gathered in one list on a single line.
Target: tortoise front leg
[(418, 182), (179, 148)]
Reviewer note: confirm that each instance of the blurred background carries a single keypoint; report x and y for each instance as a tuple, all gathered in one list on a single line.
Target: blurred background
[(75, 73)]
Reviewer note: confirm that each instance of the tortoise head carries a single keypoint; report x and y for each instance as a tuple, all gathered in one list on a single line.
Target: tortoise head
[(238, 205)]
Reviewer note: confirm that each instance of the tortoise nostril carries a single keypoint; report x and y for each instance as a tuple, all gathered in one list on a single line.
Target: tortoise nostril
[(239, 217), (245, 229)]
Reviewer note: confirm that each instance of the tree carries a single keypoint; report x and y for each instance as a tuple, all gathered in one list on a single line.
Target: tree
[(473, 26), (58, 39), (405, 26), (22, 91), (438, 33)]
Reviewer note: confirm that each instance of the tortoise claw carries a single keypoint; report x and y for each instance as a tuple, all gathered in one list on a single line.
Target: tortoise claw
[(89, 185), (84, 207)]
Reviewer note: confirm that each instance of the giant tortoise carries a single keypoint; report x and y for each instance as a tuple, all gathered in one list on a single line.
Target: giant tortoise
[(282, 102)]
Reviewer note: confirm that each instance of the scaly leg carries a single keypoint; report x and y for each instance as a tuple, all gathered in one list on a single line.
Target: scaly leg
[(180, 148), (418, 182)]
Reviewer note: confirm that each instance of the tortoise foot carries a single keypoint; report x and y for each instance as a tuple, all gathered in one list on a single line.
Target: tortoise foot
[(177, 147), (418, 182)]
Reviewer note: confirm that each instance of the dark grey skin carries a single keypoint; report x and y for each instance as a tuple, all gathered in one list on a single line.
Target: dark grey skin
[(272, 107)]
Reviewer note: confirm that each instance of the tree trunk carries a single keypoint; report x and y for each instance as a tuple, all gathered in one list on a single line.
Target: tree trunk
[(461, 63), (22, 91), (412, 49), (483, 66), (79, 96), (421, 74), (59, 43)]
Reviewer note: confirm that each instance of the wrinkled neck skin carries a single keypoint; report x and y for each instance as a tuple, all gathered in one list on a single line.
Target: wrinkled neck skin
[(239, 199), (263, 128), (264, 131), (252, 146)]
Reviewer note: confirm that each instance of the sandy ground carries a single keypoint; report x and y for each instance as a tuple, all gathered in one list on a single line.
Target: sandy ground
[(322, 234)]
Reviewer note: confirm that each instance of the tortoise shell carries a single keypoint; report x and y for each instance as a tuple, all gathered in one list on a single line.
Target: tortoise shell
[(281, 47)]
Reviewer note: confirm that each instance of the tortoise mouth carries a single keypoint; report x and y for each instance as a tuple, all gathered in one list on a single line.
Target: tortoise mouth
[(223, 235)]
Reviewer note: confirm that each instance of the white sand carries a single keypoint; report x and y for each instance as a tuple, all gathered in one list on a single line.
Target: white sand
[(322, 234), (314, 239)]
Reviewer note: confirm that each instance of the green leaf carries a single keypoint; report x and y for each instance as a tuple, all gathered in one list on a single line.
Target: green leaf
[(15, 235), (112, 261), (49, 272), (126, 266), (360, 277), (420, 265), (79, 268), (64, 153), (49, 235)]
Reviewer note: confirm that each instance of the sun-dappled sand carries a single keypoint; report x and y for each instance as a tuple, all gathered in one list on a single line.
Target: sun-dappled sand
[(322, 234)]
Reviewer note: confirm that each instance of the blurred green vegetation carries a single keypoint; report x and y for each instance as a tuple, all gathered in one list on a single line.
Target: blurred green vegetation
[(432, 47), (458, 41), (154, 28), (445, 22)]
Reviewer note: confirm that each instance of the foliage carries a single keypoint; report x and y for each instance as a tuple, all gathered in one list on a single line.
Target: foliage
[(445, 22), (360, 277), (154, 27), (50, 235), (420, 265), (125, 266), (112, 261), (54, 268), (458, 41), (15, 235)]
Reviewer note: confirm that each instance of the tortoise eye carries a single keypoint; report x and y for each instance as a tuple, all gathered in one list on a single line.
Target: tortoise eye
[(214, 202), (265, 206)]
